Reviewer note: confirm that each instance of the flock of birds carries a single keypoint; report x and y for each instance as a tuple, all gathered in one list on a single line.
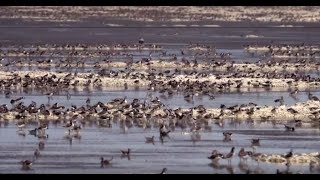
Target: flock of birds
[(128, 114), (145, 113)]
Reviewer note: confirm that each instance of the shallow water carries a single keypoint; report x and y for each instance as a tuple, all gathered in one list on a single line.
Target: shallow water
[(258, 96), (180, 154)]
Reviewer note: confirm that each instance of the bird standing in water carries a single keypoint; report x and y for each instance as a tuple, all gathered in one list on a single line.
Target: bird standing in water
[(141, 40)]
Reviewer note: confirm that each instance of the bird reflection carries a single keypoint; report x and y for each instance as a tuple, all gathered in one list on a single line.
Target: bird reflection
[(218, 166), (126, 156), (244, 167), (195, 137)]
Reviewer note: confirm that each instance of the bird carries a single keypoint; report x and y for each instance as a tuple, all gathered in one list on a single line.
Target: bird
[(313, 98), (215, 155), (289, 154), (164, 170), (16, 100), (255, 143), (41, 129), (141, 40), (126, 153), (41, 145), (21, 125), (88, 101), (33, 132), (26, 164), (164, 133), (289, 128), (68, 96), (105, 161), (229, 155), (37, 153), (49, 95), (243, 154), (227, 136), (150, 139), (281, 101), (70, 124)]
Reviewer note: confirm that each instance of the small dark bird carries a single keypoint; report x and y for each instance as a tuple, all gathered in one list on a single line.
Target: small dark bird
[(88, 101), (127, 153), (288, 156), (255, 143), (141, 40), (37, 153), (150, 139), (229, 155), (49, 95), (243, 154), (215, 155), (313, 98), (281, 101), (164, 170), (41, 145), (26, 164), (289, 128), (227, 136), (33, 132), (105, 161), (163, 133)]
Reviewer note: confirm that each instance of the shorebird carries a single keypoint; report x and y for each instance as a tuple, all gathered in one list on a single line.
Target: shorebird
[(36, 153), (16, 100), (68, 95), (243, 155), (215, 155), (126, 153), (289, 128), (42, 128), (49, 95), (294, 93), (164, 133), (69, 125), (33, 132), (21, 125), (281, 101), (150, 139), (293, 111), (288, 156), (76, 129), (255, 143), (229, 155), (88, 101), (164, 170), (104, 162), (141, 40), (227, 136), (311, 97), (26, 164), (41, 145)]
